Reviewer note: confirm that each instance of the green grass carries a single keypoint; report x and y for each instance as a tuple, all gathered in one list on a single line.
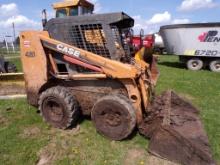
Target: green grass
[(85, 147), (17, 62), (4, 52), (24, 136), (15, 116)]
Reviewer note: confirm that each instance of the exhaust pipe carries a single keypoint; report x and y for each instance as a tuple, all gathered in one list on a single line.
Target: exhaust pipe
[(44, 17)]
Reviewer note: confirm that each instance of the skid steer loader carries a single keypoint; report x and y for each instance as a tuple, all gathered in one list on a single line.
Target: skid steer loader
[(83, 65)]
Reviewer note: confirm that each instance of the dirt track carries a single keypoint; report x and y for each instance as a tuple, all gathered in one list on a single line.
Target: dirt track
[(12, 84), (12, 89)]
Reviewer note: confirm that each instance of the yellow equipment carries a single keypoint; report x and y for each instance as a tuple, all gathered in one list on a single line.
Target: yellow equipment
[(73, 8)]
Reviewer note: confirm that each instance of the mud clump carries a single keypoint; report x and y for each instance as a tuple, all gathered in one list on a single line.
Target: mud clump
[(58, 147), (157, 161), (141, 157), (31, 132), (135, 156), (47, 155)]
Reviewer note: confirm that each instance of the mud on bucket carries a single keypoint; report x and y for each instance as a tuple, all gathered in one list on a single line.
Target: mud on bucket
[(176, 132)]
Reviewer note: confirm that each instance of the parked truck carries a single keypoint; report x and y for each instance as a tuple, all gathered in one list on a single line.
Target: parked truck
[(197, 45), (159, 47), (150, 41)]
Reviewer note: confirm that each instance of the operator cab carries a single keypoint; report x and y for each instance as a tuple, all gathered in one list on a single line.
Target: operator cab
[(73, 8), (105, 35)]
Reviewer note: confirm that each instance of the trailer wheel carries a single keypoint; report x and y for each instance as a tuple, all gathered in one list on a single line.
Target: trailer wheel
[(195, 64), (158, 51), (114, 117), (59, 107), (215, 66)]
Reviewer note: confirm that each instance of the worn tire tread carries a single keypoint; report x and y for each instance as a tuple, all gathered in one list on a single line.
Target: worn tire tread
[(71, 103), (123, 100)]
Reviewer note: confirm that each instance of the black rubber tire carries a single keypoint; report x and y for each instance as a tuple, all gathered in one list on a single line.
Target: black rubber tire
[(2, 64), (59, 107), (214, 66), (195, 64), (157, 51), (114, 117), (2, 69), (10, 67)]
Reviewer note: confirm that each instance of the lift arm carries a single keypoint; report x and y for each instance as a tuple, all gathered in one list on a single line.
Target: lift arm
[(109, 67)]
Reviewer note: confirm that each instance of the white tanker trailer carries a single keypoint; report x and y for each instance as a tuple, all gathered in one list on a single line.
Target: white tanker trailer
[(197, 45)]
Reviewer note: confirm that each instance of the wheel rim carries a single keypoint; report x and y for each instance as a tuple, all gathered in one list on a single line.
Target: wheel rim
[(217, 65), (195, 64), (112, 119), (53, 109)]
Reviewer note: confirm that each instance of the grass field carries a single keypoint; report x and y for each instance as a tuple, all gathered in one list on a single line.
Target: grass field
[(17, 62), (26, 139)]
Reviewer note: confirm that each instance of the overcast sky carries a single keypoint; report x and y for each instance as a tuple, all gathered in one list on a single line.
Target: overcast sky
[(148, 14)]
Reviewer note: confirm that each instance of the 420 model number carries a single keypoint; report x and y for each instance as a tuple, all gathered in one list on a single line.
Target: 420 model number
[(206, 53)]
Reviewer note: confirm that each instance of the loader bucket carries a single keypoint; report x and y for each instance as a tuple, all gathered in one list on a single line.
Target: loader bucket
[(176, 132)]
